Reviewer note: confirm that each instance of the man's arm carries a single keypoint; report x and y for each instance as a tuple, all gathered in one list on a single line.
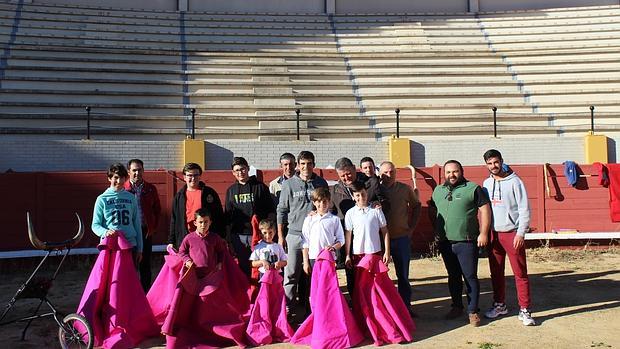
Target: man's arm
[(415, 207), (173, 222), (524, 215), (347, 248), (282, 213), (386, 243), (156, 210), (485, 224)]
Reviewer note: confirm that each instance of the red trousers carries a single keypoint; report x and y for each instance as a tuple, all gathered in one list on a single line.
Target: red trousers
[(502, 245)]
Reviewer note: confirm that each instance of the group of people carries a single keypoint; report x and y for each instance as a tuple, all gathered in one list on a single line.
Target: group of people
[(298, 216)]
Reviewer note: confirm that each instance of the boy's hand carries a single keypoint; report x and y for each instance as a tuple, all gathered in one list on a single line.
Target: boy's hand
[(386, 258), (218, 266), (110, 232), (266, 265), (188, 263), (330, 248), (307, 268), (279, 265), (348, 262)]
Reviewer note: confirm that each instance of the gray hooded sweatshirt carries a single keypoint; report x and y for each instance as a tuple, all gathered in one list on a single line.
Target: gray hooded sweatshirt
[(511, 210), (295, 202)]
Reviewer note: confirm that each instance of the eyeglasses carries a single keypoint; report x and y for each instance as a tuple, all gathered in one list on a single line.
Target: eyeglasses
[(449, 196), (191, 175), (242, 169)]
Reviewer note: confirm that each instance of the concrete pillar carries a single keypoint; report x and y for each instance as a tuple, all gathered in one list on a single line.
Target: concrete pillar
[(330, 7), (183, 5), (595, 148), (399, 151), (194, 151), (473, 5)]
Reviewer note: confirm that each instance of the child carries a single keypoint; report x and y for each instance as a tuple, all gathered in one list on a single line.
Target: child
[(209, 304), (202, 249), (113, 300), (364, 223), (321, 230), (267, 254), (377, 306), (268, 323), (117, 210)]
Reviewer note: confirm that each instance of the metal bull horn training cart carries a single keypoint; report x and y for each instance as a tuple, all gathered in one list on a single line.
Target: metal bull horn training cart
[(74, 331)]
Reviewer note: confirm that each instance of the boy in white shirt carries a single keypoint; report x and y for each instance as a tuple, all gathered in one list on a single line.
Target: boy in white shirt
[(365, 223), (321, 230), (267, 254)]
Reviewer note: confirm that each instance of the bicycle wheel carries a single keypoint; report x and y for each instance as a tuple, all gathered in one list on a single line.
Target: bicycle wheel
[(75, 333)]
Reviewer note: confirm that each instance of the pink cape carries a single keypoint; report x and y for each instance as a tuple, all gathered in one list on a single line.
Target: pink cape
[(377, 305), (206, 312), (331, 324), (113, 300), (268, 323), (165, 285)]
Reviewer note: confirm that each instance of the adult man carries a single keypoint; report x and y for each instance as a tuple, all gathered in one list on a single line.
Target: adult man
[(342, 197), (460, 234), (367, 165), (149, 209), (293, 207), (287, 165), (245, 198), (402, 218), (511, 220), (194, 195)]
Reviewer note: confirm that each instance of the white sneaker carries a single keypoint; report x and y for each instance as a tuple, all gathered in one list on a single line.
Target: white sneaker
[(496, 310), (526, 317)]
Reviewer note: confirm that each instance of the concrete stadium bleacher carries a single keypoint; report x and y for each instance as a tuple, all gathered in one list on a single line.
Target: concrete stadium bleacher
[(245, 74)]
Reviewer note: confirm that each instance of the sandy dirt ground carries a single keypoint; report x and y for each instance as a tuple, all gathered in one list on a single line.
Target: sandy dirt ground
[(576, 296)]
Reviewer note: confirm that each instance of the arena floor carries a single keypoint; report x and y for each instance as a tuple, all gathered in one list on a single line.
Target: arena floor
[(575, 296)]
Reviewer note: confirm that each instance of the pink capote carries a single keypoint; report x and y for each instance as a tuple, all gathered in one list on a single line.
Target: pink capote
[(162, 291), (331, 324), (113, 300), (206, 312), (377, 305), (268, 323)]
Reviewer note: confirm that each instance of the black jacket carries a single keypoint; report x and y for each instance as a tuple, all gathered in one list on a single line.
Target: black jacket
[(178, 221), (245, 200)]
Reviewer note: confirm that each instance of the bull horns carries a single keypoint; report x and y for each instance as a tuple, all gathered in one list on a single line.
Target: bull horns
[(38, 244)]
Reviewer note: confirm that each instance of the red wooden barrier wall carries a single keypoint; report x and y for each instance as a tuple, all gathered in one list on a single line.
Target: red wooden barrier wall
[(52, 197)]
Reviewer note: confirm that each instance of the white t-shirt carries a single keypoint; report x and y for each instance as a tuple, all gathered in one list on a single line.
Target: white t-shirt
[(319, 232), (365, 224), (263, 251)]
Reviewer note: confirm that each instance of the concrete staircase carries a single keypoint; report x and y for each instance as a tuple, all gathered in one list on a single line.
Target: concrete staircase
[(142, 72)]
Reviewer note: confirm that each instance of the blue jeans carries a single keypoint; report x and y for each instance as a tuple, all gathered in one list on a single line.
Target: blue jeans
[(461, 261), (401, 254)]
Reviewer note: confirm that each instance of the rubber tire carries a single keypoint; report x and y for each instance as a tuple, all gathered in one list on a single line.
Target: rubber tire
[(70, 319)]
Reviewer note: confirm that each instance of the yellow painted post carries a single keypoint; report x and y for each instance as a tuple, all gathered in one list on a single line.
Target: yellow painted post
[(399, 151), (194, 151), (595, 147)]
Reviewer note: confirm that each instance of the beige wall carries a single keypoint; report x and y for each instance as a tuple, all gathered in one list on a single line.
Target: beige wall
[(166, 5), (280, 6), (341, 6), (503, 5), (374, 6)]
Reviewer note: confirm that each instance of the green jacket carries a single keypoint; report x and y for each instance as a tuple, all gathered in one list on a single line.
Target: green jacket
[(457, 212)]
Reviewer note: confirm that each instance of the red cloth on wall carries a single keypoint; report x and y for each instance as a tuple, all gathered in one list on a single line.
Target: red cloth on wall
[(614, 191)]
